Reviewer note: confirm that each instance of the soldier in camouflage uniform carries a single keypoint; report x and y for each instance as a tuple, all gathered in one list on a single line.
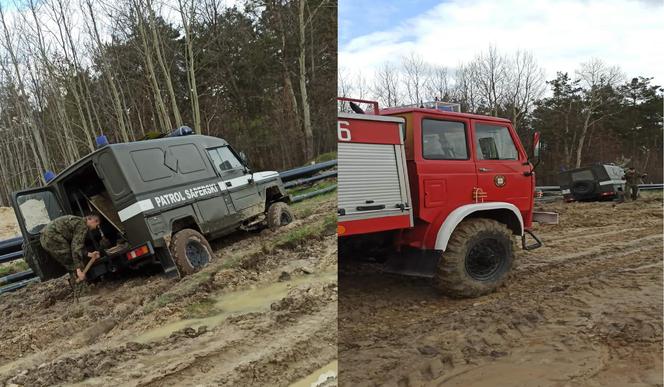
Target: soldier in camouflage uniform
[(64, 240), (632, 180)]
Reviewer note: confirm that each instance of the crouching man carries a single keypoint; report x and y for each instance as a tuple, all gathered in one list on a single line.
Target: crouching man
[(64, 240)]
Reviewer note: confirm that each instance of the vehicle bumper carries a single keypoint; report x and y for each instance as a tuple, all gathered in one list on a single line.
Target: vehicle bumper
[(119, 261)]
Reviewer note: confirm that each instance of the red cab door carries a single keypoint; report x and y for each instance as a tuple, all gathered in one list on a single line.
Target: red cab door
[(445, 168), (503, 171)]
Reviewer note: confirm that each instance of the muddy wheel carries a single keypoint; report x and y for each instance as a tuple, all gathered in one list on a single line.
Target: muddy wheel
[(278, 215), (190, 251), (478, 259)]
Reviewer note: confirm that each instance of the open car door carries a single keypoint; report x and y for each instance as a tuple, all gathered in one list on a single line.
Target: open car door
[(35, 208)]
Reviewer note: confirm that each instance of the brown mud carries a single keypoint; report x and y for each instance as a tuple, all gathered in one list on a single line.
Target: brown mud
[(263, 313), (584, 310)]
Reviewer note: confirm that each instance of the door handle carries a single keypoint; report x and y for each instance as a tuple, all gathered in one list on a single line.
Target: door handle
[(484, 169), (229, 184)]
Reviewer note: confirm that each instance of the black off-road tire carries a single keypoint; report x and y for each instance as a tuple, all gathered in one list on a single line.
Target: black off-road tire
[(278, 215), (466, 270), (190, 251)]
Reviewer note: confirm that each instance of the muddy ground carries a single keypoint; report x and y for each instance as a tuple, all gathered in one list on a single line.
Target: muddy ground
[(263, 313), (584, 310)]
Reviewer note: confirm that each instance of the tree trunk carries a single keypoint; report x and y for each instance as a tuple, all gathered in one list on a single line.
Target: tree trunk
[(164, 119), (190, 61), (306, 113), (156, 43), (581, 141)]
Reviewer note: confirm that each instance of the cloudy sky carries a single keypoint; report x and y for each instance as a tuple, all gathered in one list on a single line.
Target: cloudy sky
[(560, 34)]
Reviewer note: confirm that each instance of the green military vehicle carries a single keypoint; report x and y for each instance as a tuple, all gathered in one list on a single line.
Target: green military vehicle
[(160, 201), (593, 183)]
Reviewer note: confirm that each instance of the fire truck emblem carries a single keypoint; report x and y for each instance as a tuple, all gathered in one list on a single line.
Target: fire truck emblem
[(499, 180)]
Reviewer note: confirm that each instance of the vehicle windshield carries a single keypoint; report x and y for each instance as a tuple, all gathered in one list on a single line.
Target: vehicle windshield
[(38, 209)]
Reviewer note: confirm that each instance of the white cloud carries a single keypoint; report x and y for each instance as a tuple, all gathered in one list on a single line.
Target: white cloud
[(560, 34)]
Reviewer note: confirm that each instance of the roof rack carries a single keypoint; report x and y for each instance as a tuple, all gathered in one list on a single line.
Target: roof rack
[(436, 105), (356, 100)]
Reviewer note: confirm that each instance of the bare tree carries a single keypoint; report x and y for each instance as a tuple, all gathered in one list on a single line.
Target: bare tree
[(386, 84), (108, 72), (438, 83), (26, 123), (156, 44), (597, 78), (362, 88), (414, 69), (524, 84), (188, 15), (465, 89), (489, 73), (304, 21)]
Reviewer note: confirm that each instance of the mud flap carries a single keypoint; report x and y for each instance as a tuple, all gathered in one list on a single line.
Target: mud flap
[(415, 263), (167, 263)]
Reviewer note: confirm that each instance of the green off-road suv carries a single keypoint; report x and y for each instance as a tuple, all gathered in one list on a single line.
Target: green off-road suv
[(160, 201)]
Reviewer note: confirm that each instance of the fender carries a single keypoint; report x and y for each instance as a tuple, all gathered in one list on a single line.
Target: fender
[(458, 215)]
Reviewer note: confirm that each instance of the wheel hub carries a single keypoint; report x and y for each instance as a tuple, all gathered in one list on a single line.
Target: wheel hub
[(484, 259), (196, 254), (285, 219)]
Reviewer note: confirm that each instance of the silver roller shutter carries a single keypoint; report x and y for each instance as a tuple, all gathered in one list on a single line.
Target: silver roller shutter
[(369, 176)]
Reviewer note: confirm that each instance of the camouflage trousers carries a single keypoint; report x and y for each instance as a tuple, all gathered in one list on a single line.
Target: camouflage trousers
[(632, 191), (59, 249)]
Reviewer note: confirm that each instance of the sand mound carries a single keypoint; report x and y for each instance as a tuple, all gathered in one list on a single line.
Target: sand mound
[(8, 226)]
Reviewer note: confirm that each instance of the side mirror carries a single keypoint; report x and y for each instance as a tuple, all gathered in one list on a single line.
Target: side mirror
[(244, 159), (536, 145), (534, 159)]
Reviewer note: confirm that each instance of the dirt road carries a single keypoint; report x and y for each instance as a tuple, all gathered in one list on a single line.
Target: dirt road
[(585, 310), (264, 313)]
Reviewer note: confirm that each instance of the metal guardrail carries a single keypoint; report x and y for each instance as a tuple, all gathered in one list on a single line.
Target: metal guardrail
[(11, 256), (12, 249), (10, 245), (20, 276), (322, 176), (642, 187), (310, 195), (18, 285), (307, 170)]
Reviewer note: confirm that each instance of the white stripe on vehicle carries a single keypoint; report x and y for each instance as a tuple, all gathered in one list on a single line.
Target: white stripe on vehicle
[(610, 182), (174, 197), (566, 191), (135, 209)]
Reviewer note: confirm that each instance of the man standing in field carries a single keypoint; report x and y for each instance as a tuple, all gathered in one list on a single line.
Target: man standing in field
[(64, 240), (632, 180)]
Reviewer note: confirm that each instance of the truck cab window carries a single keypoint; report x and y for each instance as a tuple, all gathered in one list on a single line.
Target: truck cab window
[(444, 140), (224, 160), (494, 142)]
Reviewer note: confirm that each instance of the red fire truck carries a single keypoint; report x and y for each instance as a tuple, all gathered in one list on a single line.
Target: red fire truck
[(442, 194)]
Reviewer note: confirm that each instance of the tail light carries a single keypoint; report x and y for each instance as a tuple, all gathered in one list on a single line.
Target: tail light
[(138, 252)]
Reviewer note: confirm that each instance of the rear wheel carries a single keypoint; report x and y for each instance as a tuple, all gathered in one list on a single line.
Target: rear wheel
[(279, 215), (190, 251), (478, 259)]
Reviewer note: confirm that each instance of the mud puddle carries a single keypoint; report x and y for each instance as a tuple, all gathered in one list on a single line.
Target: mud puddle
[(324, 376), (543, 367), (253, 300)]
